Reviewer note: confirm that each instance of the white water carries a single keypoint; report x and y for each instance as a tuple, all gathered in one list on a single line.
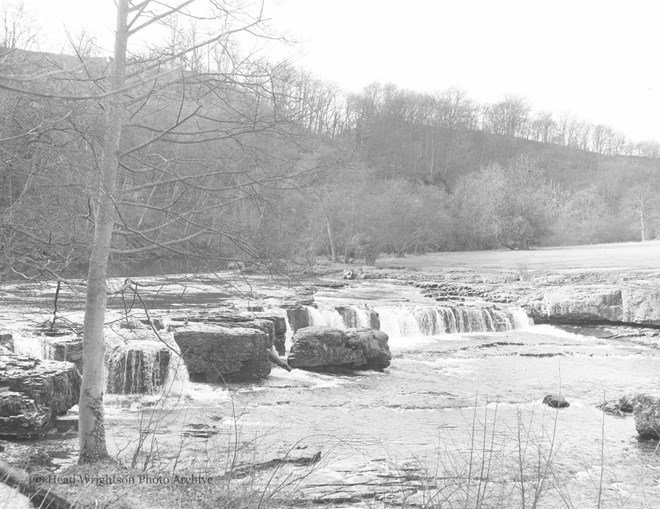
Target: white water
[(415, 321)]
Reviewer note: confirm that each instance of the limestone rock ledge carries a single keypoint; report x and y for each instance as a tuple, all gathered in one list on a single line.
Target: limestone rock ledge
[(219, 354), (33, 392)]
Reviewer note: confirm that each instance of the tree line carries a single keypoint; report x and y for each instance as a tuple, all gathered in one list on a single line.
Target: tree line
[(260, 163)]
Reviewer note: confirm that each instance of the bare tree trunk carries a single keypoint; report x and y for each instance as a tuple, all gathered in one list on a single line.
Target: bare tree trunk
[(642, 225), (91, 430), (331, 236)]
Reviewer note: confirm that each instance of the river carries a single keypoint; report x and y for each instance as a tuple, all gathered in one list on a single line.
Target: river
[(456, 420)]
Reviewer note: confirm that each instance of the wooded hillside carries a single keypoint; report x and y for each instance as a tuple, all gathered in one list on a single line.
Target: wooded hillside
[(251, 161)]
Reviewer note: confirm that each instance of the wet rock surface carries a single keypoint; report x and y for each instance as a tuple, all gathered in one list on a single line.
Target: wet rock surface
[(328, 349), (67, 349), (33, 393), (556, 401), (298, 317), (272, 324), (622, 406), (219, 354), (646, 410), (7, 342)]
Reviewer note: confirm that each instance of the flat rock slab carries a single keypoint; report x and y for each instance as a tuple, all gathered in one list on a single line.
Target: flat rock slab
[(217, 354), (272, 324), (33, 392)]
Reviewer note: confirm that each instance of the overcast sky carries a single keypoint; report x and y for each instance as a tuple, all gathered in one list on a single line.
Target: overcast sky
[(596, 59)]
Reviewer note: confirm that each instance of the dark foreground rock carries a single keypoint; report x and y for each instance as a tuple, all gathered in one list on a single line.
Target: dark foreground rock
[(555, 401), (33, 393), (646, 410), (217, 354), (329, 349)]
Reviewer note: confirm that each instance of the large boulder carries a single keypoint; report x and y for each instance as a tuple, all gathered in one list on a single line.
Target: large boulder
[(646, 410), (33, 392), (374, 347), (330, 349), (218, 354), (556, 401)]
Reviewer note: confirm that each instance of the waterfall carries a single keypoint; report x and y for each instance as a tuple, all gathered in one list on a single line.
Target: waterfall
[(141, 369), (468, 318), (289, 334), (402, 321), (327, 317), (31, 346), (398, 322)]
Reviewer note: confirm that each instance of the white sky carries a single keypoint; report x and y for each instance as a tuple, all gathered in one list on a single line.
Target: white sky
[(596, 59)]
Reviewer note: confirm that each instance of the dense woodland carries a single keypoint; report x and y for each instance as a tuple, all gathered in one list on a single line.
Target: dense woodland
[(228, 159)]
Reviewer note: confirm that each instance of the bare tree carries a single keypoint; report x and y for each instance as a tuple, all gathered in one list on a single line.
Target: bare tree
[(173, 152), (17, 28), (641, 202)]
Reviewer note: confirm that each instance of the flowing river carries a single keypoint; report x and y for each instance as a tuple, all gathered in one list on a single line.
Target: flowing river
[(457, 419)]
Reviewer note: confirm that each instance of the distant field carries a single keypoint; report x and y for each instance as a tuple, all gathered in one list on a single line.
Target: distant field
[(628, 255)]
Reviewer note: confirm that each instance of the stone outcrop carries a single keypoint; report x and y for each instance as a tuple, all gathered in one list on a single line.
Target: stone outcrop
[(7, 342), (638, 304), (646, 410), (555, 401), (33, 393), (272, 324), (641, 304), (373, 344), (578, 304), (621, 406), (67, 349), (218, 354), (298, 317), (330, 349)]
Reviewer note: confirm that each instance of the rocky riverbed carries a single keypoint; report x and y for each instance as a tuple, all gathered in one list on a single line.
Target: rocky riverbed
[(463, 392)]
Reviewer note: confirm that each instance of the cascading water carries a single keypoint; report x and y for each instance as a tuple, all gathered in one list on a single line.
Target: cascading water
[(141, 370), (144, 366), (402, 321), (327, 317)]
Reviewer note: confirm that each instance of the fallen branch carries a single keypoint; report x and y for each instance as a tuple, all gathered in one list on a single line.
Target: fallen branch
[(275, 359)]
